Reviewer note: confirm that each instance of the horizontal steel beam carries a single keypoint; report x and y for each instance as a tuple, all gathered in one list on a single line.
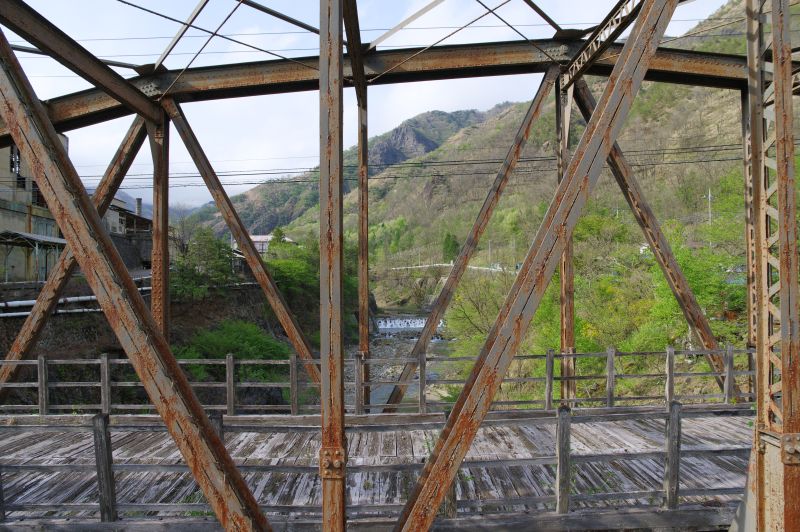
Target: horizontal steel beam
[(43, 34), (442, 62)]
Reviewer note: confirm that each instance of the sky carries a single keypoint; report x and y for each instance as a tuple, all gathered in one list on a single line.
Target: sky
[(275, 135)]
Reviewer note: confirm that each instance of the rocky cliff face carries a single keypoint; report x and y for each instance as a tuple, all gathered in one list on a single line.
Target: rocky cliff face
[(271, 205)]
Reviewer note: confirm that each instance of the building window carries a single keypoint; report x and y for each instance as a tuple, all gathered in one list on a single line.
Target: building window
[(14, 166), (36, 196)]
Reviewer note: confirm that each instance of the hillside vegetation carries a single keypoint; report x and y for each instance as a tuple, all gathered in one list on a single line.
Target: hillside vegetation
[(430, 176)]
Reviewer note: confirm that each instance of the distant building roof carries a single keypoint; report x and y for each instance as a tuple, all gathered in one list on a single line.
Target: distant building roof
[(19, 238), (267, 238)]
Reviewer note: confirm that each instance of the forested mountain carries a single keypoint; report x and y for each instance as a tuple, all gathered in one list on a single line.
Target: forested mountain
[(430, 176), (275, 204)]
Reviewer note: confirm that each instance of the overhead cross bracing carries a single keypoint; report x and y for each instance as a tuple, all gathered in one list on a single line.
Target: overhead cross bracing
[(766, 80)]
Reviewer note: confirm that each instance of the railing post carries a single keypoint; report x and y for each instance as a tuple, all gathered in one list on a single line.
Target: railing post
[(105, 474), (215, 417), (293, 391), (358, 360), (669, 389), (105, 384), (563, 458), (672, 462), (41, 369), (423, 382), (730, 380), (548, 382), (230, 384), (611, 377)]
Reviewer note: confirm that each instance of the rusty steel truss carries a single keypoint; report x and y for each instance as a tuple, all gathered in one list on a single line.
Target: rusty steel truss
[(766, 79)]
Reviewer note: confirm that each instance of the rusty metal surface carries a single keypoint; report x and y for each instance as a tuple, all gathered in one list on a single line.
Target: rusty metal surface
[(475, 400), (643, 213), (442, 62), (612, 26), (37, 30), (787, 252), (137, 332), (242, 237), (756, 171), (567, 270), (749, 222), (51, 291), (158, 134), (333, 454), (471, 243), (355, 51)]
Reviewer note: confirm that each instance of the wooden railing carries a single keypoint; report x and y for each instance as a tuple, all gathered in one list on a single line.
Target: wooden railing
[(116, 388), (562, 498)]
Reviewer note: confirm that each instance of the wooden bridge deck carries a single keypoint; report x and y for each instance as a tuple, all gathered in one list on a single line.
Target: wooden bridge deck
[(506, 462)]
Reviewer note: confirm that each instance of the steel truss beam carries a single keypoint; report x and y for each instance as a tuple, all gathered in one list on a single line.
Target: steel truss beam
[(48, 297), (620, 17), (567, 271), (280, 16), (771, 154), (47, 37), (355, 53), (158, 133), (441, 62), (471, 243), (405, 22), (137, 332), (623, 174), (333, 453), (476, 398), (242, 237), (201, 4)]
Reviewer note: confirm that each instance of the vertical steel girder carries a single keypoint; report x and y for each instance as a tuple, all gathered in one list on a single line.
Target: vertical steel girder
[(771, 154), (158, 133), (40, 32), (475, 400), (355, 53), (749, 224), (363, 243), (48, 297), (471, 243), (333, 453), (137, 332), (567, 270), (623, 174), (242, 237)]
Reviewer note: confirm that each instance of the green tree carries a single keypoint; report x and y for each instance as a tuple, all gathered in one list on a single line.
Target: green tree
[(207, 263), (450, 247), (278, 235)]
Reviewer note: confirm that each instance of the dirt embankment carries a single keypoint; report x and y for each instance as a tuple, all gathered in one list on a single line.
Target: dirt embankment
[(87, 335)]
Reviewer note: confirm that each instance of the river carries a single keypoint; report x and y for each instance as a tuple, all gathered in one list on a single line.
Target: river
[(395, 337)]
